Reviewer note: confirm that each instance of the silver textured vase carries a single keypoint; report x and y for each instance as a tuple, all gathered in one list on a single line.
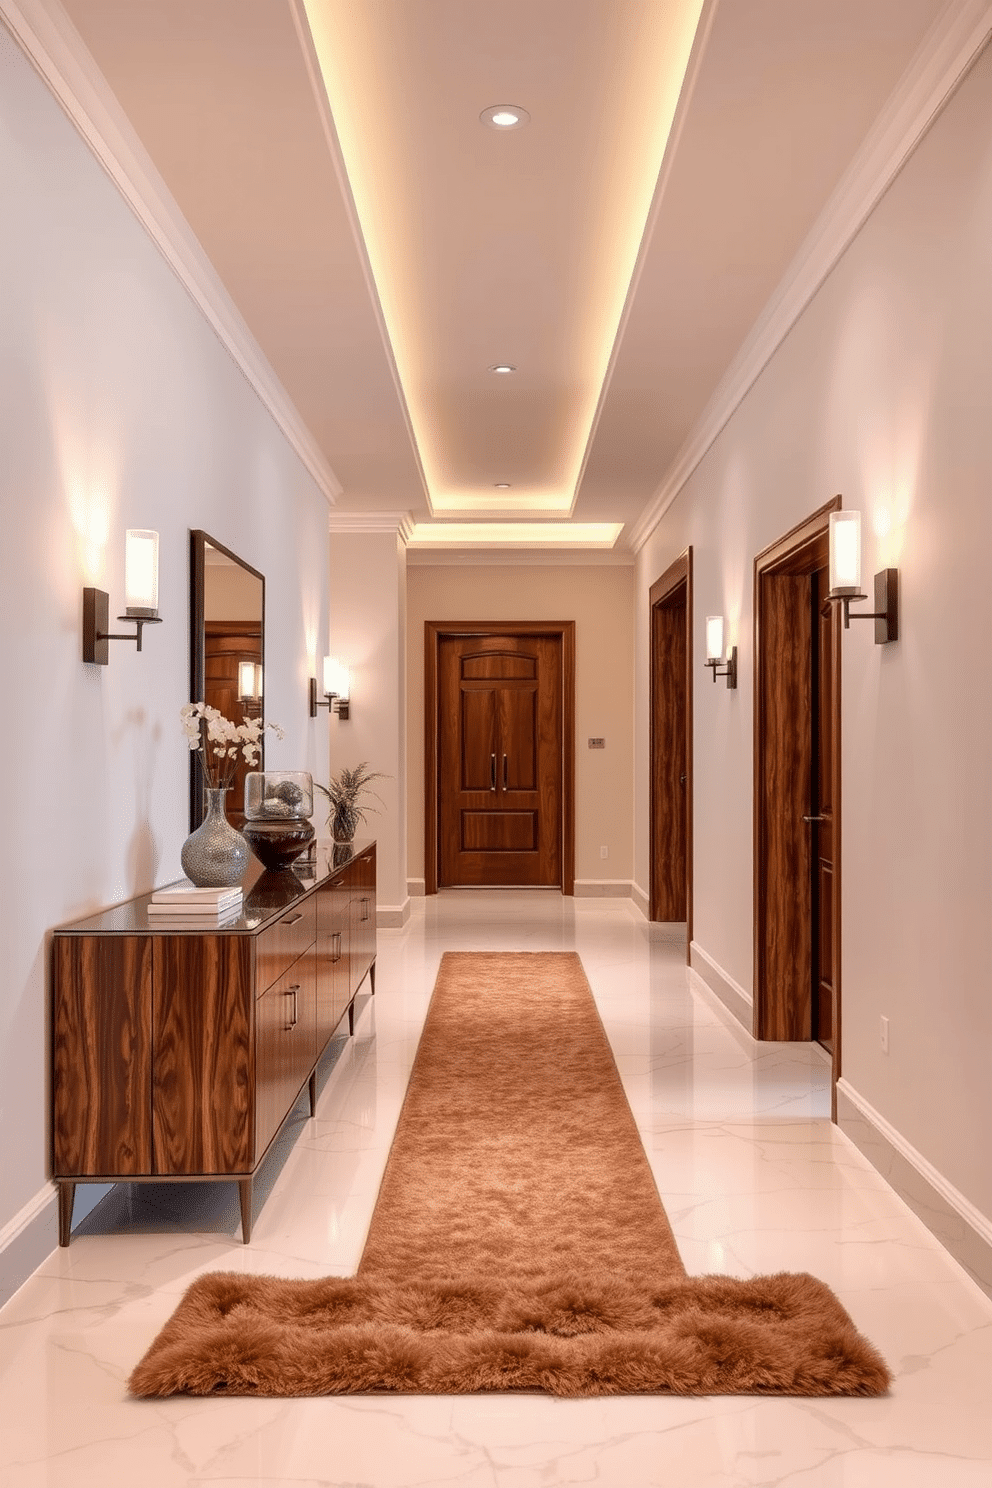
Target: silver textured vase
[(215, 856)]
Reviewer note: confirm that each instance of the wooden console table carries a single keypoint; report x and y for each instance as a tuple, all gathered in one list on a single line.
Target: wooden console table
[(180, 1049)]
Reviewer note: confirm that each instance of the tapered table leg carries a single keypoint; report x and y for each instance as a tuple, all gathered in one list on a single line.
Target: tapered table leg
[(351, 1017), (313, 1094), (245, 1193), (372, 978), (67, 1196)]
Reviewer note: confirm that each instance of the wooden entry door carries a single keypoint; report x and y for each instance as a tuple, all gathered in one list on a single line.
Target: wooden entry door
[(499, 713), (671, 744), (499, 760), (797, 792)]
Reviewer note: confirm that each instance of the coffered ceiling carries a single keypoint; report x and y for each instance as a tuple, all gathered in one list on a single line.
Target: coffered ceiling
[(386, 247)]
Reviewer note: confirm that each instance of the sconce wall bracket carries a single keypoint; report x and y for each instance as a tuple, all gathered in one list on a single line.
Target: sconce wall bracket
[(96, 618), (886, 611), (729, 671), (334, 703)]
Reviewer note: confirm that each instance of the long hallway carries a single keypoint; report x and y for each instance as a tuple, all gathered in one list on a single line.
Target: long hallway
[(752, 1174)]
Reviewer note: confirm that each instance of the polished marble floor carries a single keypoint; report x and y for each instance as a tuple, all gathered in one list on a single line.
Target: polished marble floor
[(753, 1176)]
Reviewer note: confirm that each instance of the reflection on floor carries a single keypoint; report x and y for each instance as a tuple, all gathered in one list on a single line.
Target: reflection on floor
[(752, 1174)]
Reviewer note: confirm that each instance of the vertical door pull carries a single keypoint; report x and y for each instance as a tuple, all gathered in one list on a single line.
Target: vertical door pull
[(492, 772), (504, 772), (294, 993)]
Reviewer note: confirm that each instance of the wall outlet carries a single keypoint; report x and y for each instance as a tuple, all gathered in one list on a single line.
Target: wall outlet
[(883, 1034), (604, 852), (597, 743)]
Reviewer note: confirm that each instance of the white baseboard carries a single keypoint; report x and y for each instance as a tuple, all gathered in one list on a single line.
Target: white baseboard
[(957, 1224), (27, 1240), (392, 916), (641, 900), (731, 993), (416, 887), (602, 888)]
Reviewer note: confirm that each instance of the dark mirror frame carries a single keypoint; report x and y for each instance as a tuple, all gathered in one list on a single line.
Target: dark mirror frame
[(198, 541)]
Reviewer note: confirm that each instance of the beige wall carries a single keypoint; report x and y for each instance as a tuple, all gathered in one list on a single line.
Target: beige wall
[(599, 598), (368, 595), (880, 392)]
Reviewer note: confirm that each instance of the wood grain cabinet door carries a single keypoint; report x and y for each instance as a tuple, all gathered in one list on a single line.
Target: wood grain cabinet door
[(500, 760), (103, 1056), (285, 1046), (332, 953), (362, 918), (203, 1035)]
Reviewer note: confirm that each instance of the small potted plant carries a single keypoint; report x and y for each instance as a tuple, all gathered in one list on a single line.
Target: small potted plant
[(344, 793)]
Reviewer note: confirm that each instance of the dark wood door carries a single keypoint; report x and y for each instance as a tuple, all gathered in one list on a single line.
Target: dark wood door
[(797, 792), (670, 745), (822, 824), (500, 760)]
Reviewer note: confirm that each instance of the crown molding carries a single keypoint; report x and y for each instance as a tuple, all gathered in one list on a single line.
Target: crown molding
[(951, 47), (44, 32), (401, 523)]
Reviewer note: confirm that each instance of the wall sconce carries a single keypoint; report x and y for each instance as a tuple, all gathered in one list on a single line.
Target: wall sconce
[(250, 687), (337, 688), (714, 651), (140, 598), (845, 579)]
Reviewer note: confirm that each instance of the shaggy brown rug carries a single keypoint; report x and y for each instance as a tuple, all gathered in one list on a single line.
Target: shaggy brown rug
[(518, 1242)]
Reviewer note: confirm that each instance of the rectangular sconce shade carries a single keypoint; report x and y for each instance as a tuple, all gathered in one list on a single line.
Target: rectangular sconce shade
[(337, 680), (714, 637), (845, 552), (249, 681), (141, 573)]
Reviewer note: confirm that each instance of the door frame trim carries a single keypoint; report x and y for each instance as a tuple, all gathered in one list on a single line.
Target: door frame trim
[(434, 632), (791, 554), (676, 574)]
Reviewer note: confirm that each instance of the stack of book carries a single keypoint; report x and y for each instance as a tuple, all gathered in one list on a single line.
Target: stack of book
[(185, 901)]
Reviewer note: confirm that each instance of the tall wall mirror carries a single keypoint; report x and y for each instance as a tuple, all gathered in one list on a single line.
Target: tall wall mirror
[(227, 654)]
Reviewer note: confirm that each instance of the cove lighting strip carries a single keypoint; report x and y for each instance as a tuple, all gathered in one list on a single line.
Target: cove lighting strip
[(515, 534)]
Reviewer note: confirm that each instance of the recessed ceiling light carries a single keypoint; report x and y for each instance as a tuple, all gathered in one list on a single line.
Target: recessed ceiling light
[(505, 116), (502, 485), (503, 367)]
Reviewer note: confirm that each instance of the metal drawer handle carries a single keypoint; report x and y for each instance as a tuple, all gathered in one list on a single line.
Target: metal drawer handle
[(492, 772), (336, 936), (365, 908), (815, 818), (291, 919), (294, 993), (504, 772)]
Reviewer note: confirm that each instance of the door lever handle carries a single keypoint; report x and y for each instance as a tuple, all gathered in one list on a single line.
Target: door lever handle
[(492, 772), (815, 818), (504, 772)]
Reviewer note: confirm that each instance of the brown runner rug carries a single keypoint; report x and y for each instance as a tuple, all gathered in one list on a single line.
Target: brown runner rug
[(518, 1242)]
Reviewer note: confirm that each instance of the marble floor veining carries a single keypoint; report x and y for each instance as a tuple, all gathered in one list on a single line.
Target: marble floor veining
[(754, 1178)]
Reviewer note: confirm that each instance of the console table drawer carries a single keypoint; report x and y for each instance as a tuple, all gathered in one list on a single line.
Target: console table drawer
[(278, 947)]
